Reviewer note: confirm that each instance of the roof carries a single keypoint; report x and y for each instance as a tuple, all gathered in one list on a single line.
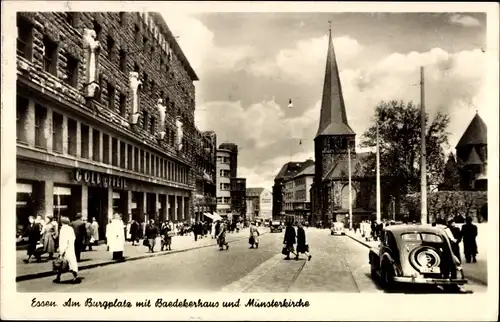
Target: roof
[(400, 229), (309, 171), (473, 158), (333, 117), (476, 133), (254, 192), (177, 49), (341, 167), (290, 169)]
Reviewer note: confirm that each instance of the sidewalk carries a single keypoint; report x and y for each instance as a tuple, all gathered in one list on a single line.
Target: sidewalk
[(99, 256), (476, 272)]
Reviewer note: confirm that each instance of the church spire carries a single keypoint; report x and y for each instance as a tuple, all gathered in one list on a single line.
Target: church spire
[(333, 117)]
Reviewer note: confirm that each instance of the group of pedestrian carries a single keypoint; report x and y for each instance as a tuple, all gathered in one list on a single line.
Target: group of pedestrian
[(468, 235), (201, 229), (293, 237)]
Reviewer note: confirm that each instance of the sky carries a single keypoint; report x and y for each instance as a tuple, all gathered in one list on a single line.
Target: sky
[(251, 64)]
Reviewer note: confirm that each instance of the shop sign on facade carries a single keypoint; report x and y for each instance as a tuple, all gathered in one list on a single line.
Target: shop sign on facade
[(93, 178)]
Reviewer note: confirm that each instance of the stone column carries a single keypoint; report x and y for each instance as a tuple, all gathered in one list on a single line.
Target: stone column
[(174, 207), (65, 135), (145, 206), (125, 155), (91, 143), (110, 204), (78, 140), (167, 206), (84, 201), (132, 159), (117, 152), (30, 124), (180, 206), (110, 154), (156, 208), (48, 198), (47, 130), (129, 205), (101, 151)]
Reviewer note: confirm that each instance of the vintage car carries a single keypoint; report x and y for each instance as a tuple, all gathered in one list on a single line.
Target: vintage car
[(416, 254), (337, 228), (276, 227)]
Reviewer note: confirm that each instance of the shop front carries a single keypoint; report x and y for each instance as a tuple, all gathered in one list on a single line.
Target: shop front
[(46, 189)]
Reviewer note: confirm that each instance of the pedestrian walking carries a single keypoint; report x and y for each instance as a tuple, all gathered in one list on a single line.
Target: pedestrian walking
[(80, 233), (196, 230), (151, 234), (34, 245), (302, 246), (67, 257), (88, 236), (115, 237), (49, 236), (254, 236), (289, 241), (454, 234), (95, 231), (469, 234), (166, 236), (221, 237), (134, 232)]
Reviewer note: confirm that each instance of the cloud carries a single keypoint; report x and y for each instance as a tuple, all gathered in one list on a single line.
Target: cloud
[(465, 21), (197, 43), (306, 60)]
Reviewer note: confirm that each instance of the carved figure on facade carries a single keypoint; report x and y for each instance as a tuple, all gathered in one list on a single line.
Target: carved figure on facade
[(180, 133), (162, 110), (92, 47), (135, 82)]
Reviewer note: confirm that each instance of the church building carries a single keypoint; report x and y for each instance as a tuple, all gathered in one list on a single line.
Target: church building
[(330, 192)]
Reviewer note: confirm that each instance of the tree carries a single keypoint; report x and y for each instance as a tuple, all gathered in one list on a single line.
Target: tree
[(451, 177), (399, 141)]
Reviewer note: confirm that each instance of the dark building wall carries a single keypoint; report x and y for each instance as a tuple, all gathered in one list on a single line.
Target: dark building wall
[(238, 196), (277, 199)]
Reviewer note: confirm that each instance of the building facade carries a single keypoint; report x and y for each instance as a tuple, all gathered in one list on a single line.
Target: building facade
[(238, 198), (205, 169), (105, 117), (223, 182), (302, 183), (233, 157), (334, 142), (259, 204), (282, 201)]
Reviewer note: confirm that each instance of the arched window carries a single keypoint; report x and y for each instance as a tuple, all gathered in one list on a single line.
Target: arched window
[(345, 197)]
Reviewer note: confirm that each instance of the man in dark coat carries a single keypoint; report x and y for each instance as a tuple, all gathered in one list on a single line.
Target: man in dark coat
[(33, 234), (289, 240), (151, 234), (302, 246), (80, 235), (469, 234), (196, 230), (134, 232)]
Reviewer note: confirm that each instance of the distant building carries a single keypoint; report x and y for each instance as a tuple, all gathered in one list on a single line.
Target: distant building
[(233, 157), (300, 201), (472, 156), (280, 200), (223, 182), (259, 204), (238, 198), (205, 172)]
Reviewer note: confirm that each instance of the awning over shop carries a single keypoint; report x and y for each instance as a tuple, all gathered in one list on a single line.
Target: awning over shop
[(209, 215), (216, 216)]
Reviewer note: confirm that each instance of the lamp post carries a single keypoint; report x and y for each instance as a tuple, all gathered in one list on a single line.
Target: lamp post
[(379, 215), (423, 163), (350, 185)]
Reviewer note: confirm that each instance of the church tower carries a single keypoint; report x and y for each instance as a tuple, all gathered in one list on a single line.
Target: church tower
[(334, 134)]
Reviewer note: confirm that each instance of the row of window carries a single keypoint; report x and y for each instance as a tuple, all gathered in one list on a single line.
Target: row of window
[(224, 173), (51, 58), (223, 160), (225, 186), (223, 200), (111, 151)]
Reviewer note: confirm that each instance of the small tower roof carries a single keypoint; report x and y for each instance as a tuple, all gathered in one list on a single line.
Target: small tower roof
[(333, 117), (473, 158), (476, 133)]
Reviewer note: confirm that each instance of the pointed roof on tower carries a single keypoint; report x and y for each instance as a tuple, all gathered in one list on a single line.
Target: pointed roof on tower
[(476, 133), (473, 158), (333, 117)]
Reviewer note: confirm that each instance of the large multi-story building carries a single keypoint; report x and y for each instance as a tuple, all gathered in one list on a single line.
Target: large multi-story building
[(205, 175), (233, 157), (223, 182), (280, 199), (259, 204), (238, 198), (297, 195), (105, 117)]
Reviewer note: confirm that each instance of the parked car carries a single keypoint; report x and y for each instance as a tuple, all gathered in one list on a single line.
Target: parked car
[(276, 227), (337, 228), (416, 254)]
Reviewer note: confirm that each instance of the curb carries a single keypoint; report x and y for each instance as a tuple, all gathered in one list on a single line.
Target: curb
[(111, 262), (473, 279)]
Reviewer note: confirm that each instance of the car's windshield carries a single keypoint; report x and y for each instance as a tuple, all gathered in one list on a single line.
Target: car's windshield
[(422, 237)]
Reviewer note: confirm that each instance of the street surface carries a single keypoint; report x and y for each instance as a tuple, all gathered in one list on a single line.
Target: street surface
[(339, 264)]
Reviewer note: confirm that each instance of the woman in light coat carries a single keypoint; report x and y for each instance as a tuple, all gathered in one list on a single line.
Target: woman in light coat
[(67, 249), (49, 237), (115, 236), (254, 236), (95, 231)]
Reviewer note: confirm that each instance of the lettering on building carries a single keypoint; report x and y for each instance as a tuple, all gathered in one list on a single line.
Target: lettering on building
[(98, 179)]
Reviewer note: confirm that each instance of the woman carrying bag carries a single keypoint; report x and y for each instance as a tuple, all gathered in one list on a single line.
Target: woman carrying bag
[(289, 241), (254, 236), (67, 256), (302, 246)]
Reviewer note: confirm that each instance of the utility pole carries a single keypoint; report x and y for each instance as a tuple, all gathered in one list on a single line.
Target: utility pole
[(379, 215), (350, 186), (423, 163)]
